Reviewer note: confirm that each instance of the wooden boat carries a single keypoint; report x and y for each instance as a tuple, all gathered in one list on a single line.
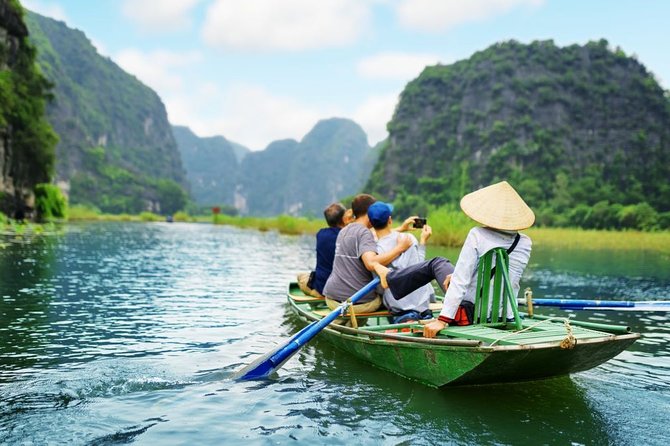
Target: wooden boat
[(531, 348)]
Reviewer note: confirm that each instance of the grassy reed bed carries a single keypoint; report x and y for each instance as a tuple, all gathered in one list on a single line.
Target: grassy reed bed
[(572, 238), (84, 213), (450, 227), (283, 223)]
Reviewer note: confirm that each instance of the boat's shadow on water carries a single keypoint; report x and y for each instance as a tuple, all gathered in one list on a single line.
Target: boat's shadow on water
[(552, 411)]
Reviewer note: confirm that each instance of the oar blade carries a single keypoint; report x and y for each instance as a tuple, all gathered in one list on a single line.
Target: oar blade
[(265, 365), (268, 363)]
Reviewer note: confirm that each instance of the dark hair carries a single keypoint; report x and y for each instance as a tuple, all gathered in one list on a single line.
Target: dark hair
[(333, 214), (361, 203), (379, 225)]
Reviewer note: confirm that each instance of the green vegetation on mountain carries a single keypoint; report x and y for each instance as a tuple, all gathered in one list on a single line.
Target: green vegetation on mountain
[(116, 150), (583, 132), (288, 177), (27, 140), (50, 202)]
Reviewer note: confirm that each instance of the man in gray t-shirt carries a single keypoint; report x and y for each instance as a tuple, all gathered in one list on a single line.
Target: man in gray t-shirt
[(355, 256), (349, 272)]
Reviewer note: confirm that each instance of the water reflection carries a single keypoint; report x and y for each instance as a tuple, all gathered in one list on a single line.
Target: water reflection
[(390, 408), (26, 269)]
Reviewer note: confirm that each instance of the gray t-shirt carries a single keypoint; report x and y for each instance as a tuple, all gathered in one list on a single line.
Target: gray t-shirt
[(349, 273)]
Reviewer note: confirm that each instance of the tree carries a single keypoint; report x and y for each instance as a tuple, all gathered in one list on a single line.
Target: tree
[(171, 196)]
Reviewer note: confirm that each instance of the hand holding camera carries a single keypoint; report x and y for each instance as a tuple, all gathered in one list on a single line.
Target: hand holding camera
[(420, 222)]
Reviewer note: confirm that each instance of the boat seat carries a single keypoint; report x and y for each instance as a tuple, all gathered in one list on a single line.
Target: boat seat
[(494, 290)]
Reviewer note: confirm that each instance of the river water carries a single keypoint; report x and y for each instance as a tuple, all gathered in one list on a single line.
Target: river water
[(116, 333)]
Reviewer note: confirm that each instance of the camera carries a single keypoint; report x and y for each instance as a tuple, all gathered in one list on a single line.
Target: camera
[(420, 222)]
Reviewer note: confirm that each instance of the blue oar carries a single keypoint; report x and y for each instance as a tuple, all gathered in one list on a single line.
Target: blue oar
[(580, 304), (268, 363)]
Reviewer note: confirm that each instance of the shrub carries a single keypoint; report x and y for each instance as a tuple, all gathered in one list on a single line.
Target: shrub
[(181, 216), (664, 220), (50, 202), (150, 216), (638, 216), (450, 226), (83, 212)]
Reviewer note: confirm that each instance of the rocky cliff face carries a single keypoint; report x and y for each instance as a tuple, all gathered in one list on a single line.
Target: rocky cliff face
[(116, 144), (211, 165), (26, 140), (12, 31), (567, 126)]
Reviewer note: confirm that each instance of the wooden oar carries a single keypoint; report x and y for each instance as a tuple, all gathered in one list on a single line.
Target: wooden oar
[(271, 361)]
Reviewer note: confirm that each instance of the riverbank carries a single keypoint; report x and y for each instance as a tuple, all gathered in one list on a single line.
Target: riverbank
[(449, 229)]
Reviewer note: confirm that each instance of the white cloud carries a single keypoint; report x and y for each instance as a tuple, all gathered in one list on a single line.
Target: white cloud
[(442, 15), (394, 65), (48, 9), (158, 69), (248, 114), (160, 15), (284, 25), (373, 115)]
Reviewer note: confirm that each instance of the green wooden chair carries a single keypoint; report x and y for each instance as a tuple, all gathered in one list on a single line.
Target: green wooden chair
[(494, 267)]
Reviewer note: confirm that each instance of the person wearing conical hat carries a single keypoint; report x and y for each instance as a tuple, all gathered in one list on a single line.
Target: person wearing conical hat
[(503, 213)]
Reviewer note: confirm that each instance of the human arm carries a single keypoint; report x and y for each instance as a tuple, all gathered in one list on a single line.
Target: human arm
[(407, 224), (462, 277), (426, 232), (371, 258)]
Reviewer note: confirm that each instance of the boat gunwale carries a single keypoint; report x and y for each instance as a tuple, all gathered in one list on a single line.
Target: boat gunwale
[(374, 337)]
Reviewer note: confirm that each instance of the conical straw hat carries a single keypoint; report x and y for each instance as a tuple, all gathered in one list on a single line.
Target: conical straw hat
[(498, 206)]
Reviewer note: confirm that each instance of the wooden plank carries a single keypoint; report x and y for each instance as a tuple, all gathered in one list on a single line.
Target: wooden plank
[(327, 311), (478, 332)]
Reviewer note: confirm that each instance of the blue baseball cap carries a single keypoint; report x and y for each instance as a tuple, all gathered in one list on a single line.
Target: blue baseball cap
[(379, 213)]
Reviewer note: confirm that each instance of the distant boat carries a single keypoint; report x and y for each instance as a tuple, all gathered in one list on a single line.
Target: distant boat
[(482, 353), (169, 218)]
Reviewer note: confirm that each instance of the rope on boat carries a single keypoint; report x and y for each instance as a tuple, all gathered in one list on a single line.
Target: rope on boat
[(568, 343)]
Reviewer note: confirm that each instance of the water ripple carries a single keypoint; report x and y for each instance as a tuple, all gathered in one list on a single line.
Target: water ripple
[(116, 333)]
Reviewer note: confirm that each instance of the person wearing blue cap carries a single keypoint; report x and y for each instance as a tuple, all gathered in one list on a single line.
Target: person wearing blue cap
[(416, 305), (355, 257)]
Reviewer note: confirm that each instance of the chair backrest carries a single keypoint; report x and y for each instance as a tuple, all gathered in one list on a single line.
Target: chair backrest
[(494, 267)]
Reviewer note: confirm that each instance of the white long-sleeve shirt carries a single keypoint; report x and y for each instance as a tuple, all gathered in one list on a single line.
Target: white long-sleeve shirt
[(463, 285)]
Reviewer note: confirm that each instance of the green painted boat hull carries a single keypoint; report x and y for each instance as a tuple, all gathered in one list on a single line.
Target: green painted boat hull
[(446, 365), (439, 366)]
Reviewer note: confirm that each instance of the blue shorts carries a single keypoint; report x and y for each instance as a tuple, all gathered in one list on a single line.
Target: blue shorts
[(411, 315)]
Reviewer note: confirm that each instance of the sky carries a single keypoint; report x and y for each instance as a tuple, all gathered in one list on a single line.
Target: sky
[(255, 71)]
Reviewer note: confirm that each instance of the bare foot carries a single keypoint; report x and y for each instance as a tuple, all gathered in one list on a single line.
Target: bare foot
[(382, 271)]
